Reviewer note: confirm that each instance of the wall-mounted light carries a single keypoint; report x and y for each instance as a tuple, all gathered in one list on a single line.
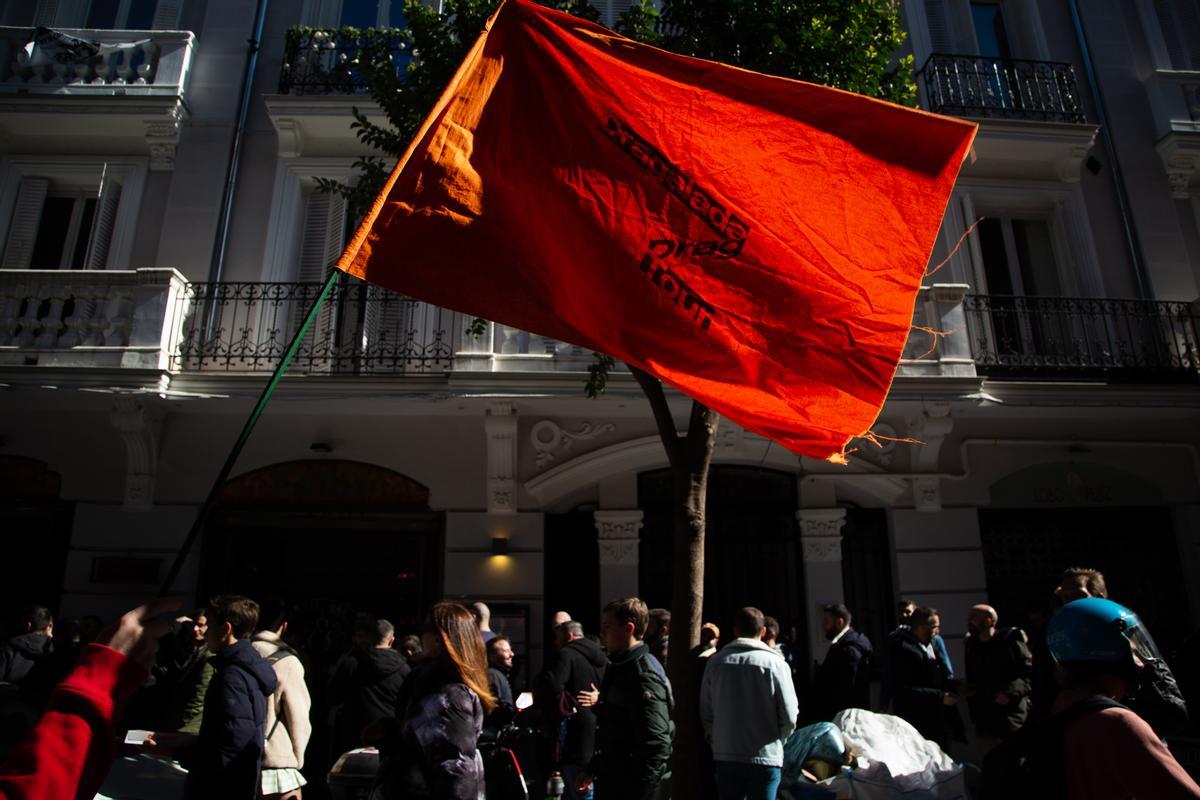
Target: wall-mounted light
[(499, 545)]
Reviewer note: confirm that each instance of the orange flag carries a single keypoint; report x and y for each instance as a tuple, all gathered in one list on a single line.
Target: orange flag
[(755, 242)]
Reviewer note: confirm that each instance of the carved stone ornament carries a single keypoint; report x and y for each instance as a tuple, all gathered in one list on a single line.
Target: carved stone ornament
[(548, 438), (501, 429), (162, 136), (821, 533), (617, 532), (139, 427), (927, 494)]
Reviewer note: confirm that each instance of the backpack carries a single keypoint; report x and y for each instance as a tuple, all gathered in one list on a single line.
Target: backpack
[(280, 653), (1029, 764)]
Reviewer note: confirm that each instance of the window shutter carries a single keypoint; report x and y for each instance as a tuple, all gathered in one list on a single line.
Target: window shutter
[(1171, 34), (1187, 12), (941, 36), (324, 235), (27, 214), (46, 14), (166, 15), (102, 229)]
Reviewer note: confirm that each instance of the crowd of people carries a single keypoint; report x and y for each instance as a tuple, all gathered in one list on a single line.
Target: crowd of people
[(234, 704)]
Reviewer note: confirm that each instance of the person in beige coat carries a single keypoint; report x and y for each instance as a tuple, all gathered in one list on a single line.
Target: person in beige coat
[(287, 728)]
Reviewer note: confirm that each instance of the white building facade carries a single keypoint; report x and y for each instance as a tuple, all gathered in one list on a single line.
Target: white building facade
[(148, 288)]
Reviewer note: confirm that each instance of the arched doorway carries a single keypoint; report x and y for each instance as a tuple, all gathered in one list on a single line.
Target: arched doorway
[(332, 537), (752, 547)]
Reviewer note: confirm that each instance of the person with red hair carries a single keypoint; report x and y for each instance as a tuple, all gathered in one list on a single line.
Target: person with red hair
[(429, 750)]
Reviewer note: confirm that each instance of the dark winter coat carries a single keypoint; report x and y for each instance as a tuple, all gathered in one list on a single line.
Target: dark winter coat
[(843, 680), (1001, 664), (367, 683), (634, 731), (580, 666), (918, 683), (430, 750), (224, 763), (21, 654)]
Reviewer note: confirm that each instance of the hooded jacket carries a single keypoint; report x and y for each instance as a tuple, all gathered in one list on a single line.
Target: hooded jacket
[(225, 760), (747, 703), (580, 665), (634, 733), (21, 654), (288, 727)]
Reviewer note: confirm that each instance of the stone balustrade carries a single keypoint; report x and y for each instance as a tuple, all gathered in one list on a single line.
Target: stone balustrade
[(111, 318), (145, 63)]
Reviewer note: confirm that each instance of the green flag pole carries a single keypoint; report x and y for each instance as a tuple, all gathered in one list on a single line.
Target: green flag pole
[(259, 407)]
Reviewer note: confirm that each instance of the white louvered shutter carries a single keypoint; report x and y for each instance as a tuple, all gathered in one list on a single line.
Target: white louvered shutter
[(941, 34), (106, 220), (166, 15), (320, 246), (22, 231)]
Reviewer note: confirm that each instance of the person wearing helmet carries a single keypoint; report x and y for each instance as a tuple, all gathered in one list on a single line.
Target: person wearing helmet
[(1156, 696), (1099, 648)]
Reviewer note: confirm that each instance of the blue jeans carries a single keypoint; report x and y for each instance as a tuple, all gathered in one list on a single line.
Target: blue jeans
[(737, 781)]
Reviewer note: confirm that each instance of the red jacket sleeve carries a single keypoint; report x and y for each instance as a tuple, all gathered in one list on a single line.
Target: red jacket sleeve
[(70, 750)]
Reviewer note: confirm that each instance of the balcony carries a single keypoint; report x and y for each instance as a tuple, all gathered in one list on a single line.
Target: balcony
[(110, 88), (988, 88), (1032, 122), (1072, 338), (319, 85), (152, 319)]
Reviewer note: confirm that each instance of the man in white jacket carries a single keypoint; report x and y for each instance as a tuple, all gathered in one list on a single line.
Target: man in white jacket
[(288, 727), (748, 708)]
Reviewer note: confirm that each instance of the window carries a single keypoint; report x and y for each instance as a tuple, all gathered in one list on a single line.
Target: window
[(990, 35), (137, 15), (65, 221), (1179, 21), (355, 13), (1018, 257)]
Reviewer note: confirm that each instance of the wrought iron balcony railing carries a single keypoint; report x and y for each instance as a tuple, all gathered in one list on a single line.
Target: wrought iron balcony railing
[(323, 61), (245, 327), (1072, 338), (974, 86)]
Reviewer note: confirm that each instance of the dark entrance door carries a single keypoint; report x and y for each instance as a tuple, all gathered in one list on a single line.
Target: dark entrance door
[(752, 548), (1026, 550), (573, 568), (329, 566)]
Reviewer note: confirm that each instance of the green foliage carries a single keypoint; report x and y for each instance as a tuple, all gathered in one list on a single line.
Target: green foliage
[(850, 44), (597, 382)]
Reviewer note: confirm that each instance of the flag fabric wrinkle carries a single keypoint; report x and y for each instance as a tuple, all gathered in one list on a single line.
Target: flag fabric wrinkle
[(756, 242)]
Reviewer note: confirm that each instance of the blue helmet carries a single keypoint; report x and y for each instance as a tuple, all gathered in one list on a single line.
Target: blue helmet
[(1098, 630)]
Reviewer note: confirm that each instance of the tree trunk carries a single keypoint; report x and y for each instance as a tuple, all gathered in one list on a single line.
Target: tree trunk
[(690, 457)]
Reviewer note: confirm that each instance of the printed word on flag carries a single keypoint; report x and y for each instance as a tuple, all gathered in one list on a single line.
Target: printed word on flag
[(755, 242)]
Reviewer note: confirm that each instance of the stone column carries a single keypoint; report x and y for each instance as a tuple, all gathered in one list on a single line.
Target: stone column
[(618, 538), (821, 541)]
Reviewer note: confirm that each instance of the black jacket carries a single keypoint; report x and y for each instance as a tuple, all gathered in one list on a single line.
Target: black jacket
[(634, 731), (1001, 664), (224, 762), (843, 680), (580, 666), (368, 683), (918, 684), (431, 747), (21, 654)]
